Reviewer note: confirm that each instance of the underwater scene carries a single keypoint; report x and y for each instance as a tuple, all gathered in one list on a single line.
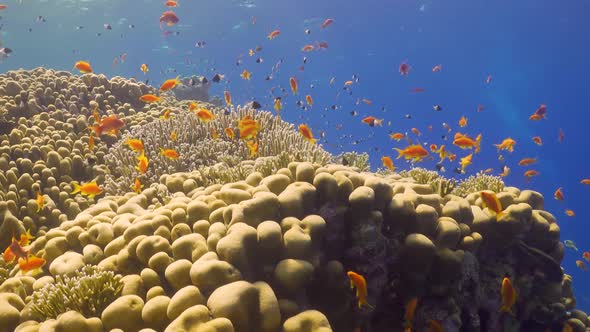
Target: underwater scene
[(294, 166)]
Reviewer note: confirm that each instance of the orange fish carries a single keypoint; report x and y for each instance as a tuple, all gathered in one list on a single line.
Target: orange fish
[(170, 84), (388, 163), (169, 153), (539, 113), (227, 97), (3, 6), (508, 296), (527, 161), (491, 202), (586, 256), (229, 133), (278, 106), (436, 68), (558, 195), (293, 84), (560, 136), (358, 281), (137, 186), (489, 79), (149, 98), (581, 265), (480, 108), (214, 134), (410, 312), (15, 250), (372, 121), (134, 144), (248, 132), (367, 101), (434, 326), (111, 124), (307, 48), (91, 142), (507, 144), (89, 189), (246, 75), (538, 140), (443, 153), (348, 83), (465, 142), (253, 147), (144, 68), (83, 66), (416, 132), (417, 90), (306, 133), (204, 115), (488, 170), (466, 161), (327, 22), (274, 34), (40, 201), (570, 213), (530, 173), (169, 18), (447, 127), (192, 106), (505, 171), (31, 263), (585, 181), (173, 136), (142, 163), (433, 147), (309, 100), (171, 3), (397, 136), (415, 152), (166, 115), (404, 68), (463, 122)]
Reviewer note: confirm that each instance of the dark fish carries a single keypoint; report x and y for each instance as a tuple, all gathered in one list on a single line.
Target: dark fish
[(268, 78), (200, 44), (204, 80), (304, 60), (408, 116), (354, 113), (259, 60), (256, 105), (131, 26), (437, 108), (107, 26), (40, 19), (5, 50), (307, 31), (217, 78)]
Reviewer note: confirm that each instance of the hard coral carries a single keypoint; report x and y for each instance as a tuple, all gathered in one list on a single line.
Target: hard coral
[(89, 291), (479, 182)]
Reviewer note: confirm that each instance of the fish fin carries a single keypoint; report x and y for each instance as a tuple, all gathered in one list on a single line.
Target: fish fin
[(77, 188), (400, 152)]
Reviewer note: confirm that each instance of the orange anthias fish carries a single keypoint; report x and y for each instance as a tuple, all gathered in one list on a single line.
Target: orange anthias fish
[(31, 263), (169, 153), (404, 68), (508, 296), (397, 136), (388, 163), (144, 68), (83, 66), (358, 281), (372, 121), (530, 173), (214, 134), (538, 140), (229, 133), (409, 313), (278, 106), (149, 98), (274, 34), (527, 161), (142, 163), (463, 122), (491, 202), (293, 84), (465, 142), (173, 136), (91, 142), (309, 100), (560, 136), (40, 201), (539, 113), (305, 131), (415, 152), (433, 147), (171, 3), (466, 161), (246, 75), (585, 181), (307, 48), (586, 256), (89, 189), (253, 147), (581, 265), (507, 144), (169, 18), (227, 97), (111, 124), (327, 22), (170, 84), (570, 213), (505, 171), (192, 106), (204, 115), (416, 132), (167, 114), (436, 68), (137, 186), (135, 144), (558, 195)]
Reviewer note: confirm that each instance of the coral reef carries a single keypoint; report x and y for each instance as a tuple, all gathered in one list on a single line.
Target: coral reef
[(234, 244)]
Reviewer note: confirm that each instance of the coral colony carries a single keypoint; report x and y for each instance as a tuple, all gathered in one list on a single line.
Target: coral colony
[(178, 223)]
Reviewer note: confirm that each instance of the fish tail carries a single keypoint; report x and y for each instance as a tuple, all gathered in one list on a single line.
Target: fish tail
[(400, 152), (77, 188)]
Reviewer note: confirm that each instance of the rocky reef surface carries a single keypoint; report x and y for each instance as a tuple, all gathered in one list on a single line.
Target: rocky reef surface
[(251, 245)]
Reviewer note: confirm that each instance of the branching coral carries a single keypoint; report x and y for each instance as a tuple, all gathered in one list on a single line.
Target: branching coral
[(5, 269), (479, 182), (89, 291), (421, 175), (198, 149), (353, 159)]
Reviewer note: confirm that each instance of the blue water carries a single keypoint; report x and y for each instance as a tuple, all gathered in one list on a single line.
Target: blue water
[(536, 54)]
